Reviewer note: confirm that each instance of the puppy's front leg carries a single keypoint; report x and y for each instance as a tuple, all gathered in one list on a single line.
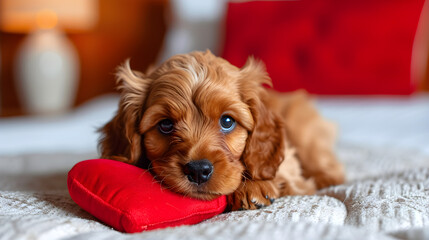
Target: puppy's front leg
[(253, 194)]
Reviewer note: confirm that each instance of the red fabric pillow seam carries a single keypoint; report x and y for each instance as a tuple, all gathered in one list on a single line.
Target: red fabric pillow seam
[(218, 207), (130, 216), (105, 203)]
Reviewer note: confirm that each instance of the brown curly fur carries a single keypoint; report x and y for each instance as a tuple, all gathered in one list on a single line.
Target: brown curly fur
[(280, 145)]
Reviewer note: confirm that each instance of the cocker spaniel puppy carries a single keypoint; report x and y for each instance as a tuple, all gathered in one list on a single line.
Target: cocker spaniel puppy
[(206, 128)]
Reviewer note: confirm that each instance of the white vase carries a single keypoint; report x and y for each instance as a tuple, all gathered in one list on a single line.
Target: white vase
[(47, 70)]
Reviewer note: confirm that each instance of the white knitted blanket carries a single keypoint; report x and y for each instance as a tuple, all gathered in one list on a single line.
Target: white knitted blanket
[(386, 197)]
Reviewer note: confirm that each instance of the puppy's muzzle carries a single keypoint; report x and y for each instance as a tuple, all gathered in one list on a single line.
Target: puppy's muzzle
[(198, 171)]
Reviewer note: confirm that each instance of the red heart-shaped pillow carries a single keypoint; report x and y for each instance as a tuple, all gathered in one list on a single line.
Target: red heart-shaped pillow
[(130, 200)]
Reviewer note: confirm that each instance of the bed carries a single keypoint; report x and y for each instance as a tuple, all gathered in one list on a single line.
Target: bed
[(383, 142)]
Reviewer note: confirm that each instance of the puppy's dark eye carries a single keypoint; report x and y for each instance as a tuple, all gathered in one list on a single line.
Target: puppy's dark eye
[(166, 126), (227, 123)]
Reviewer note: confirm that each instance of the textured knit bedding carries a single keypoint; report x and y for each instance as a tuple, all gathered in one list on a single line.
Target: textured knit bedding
[(386, 195)]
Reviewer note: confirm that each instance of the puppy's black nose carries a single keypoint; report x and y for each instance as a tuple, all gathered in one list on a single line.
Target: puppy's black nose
[(199, 171)]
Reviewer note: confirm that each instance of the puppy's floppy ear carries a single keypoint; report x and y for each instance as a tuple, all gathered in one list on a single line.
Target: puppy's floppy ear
[(265, 145), (120, 138)]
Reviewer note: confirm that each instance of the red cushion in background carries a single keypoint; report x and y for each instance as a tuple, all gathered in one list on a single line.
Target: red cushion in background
[(327, 46), (130, 200)]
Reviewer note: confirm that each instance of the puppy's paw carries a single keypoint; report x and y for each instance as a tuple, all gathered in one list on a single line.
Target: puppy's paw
[(253, 195), (326, 179), (326, 170)]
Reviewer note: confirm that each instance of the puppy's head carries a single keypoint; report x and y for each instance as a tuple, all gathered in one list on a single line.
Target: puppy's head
[(194, 121)]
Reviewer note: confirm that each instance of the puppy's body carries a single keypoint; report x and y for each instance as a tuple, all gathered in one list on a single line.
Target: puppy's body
[(206, 128)]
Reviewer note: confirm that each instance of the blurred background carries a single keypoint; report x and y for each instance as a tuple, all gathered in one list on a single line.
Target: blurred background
[(101, 35), (58, 59)]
